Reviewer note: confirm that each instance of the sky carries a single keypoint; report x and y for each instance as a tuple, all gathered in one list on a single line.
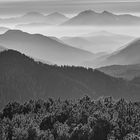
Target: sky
[(14, 7), (75, 0)]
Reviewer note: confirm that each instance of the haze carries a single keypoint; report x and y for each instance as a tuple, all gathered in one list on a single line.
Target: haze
[(17, 14), (16, 7)]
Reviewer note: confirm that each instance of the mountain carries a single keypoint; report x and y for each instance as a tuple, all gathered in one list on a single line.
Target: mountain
[(51, 19), (90, 17), (97, 62), (25, 19), (44, 48), (78, 42), (127, 55), (128, 72), (21, 78), (101, 41), (56, 18), (35, 18)]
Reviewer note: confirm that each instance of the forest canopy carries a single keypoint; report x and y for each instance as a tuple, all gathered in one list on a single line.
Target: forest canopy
[(81, 119)]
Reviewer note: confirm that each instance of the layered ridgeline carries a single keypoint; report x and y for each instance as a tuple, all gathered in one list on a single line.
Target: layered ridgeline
[(101, 41), (56, 18), (21, 78), (24, 19), (48, 20), (44, 48), (128, 72), (87, 17), (126, 55), (90, 17), (36, 18)]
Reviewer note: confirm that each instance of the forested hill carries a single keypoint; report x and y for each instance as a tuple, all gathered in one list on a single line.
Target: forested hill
[(82, 119), (21, 78)]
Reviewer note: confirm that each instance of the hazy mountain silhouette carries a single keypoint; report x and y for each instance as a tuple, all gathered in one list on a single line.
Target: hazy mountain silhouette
[(36, 18), (21, 78), (47, 20), (25, 19), (98, 41), (44, 48), (56, 18), (33, 16), (124, 71), (90, 17), (127, 55)]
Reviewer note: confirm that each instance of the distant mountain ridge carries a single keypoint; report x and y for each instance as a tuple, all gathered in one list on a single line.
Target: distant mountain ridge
[(90, 17), (101, 41), (126, 55), (128, 72), (44, 48), (56, 18), (24, 19), (36, 17)]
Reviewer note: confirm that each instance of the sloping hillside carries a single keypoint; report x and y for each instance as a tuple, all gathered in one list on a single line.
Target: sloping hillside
[(44, 48), (21, 78)]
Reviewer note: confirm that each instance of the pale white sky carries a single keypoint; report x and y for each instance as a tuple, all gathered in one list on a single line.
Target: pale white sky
[(74, 0), (13, 7)]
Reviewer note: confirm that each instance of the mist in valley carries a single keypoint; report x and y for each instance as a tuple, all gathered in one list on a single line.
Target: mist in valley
[(69, 70)]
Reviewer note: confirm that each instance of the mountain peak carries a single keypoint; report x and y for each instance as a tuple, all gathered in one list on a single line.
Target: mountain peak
[(56, 14), (43, 47), (87, 12), (14, 31), (106, 13), (10, 52)]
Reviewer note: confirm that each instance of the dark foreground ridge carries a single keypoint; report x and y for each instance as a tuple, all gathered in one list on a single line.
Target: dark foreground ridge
[(22, 79), (82, 119)]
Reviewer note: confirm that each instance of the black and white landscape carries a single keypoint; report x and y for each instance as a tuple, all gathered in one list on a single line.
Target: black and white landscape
[(69, 70)]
